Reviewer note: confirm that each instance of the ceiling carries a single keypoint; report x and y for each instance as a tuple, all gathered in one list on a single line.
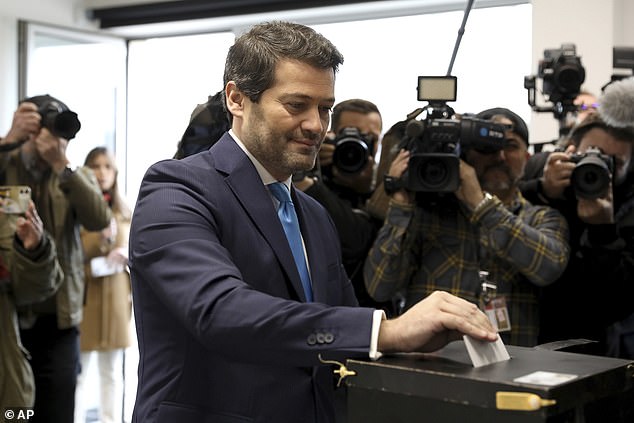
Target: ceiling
[(147, 18)]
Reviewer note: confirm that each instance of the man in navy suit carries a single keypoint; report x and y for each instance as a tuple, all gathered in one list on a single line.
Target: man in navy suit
[(224, 329)]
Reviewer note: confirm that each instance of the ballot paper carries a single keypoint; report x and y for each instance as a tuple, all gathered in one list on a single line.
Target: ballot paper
[(485, 352)]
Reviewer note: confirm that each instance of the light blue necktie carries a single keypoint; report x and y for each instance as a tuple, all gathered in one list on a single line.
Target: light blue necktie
[(288, 217)]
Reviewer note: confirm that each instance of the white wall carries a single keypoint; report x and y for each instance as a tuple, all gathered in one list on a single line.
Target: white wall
[(594, 26)]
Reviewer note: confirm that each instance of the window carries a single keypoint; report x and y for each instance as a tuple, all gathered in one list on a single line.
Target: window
[(87, 72), (167, 78)]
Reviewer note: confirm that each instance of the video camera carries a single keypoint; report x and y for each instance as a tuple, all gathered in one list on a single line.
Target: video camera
[(437, 143), (592, 174), (352, 150), (562, 74)]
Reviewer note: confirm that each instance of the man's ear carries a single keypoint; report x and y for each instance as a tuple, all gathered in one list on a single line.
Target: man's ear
[(235, 99)]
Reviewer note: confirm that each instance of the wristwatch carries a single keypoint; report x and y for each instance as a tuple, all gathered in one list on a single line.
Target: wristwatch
[(486, 200), (391, 184)]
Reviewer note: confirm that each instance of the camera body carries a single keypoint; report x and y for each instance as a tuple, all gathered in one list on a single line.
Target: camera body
[(438, 142), (436, 146), (56, 116), (352, 150), (562, 73), (592, 174), (59, 120)]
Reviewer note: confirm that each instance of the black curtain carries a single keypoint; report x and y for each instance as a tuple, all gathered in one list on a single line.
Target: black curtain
[(171, 11)]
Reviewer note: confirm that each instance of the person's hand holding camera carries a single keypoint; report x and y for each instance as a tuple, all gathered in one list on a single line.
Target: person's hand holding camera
[(52, 150), (396, 171), (26, 122), (597, 211), (327, 150), (469, 192), (557, 172)]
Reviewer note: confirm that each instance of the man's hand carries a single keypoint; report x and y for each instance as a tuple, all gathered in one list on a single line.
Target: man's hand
[(469, 192), (557, 172), (29, 228), (326, 152), (52, 150), (596, 211), (397, 169), (26, 122), (434, 322)]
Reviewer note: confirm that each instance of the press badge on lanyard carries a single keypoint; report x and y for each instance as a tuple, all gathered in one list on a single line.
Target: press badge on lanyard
[(493, 305)]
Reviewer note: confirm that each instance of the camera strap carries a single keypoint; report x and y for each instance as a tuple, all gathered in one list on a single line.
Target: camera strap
[(11, 146)]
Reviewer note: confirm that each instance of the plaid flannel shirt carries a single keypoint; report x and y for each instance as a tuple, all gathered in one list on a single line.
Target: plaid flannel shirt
[(420, 250)]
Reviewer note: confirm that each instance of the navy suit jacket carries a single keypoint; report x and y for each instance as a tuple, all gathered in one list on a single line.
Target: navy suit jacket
[(224, 332)]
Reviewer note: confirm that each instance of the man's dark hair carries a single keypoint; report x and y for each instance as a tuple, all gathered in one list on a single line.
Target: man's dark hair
[(594, 120), (207, 124), (353, 105), (252, 59)]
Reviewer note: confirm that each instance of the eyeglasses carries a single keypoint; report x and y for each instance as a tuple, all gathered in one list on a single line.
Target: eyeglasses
[(584, 107)]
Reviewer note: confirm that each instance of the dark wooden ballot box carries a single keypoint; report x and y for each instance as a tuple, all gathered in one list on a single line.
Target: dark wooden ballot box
[(537, 385)]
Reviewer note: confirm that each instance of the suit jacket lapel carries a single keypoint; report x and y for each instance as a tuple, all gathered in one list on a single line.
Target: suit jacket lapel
[(243, 180)]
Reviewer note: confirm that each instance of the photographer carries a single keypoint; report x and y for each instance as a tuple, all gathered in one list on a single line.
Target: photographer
[(29, 272), (433, 241), (346, 166), (66, 200), (596, 288)]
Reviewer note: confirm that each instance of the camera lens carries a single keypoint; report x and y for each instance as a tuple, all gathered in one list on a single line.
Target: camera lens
[(591, 178), (569, 78), (435, 172), (351, 155)]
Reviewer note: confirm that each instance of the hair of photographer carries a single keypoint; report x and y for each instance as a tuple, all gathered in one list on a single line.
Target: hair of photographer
[(105, 328), (207, 123), (355, 105)]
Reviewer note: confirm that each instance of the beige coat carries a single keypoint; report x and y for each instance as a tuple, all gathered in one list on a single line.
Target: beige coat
[(107, 309)]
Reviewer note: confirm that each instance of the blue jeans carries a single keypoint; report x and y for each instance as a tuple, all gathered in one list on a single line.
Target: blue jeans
[(55, 362)]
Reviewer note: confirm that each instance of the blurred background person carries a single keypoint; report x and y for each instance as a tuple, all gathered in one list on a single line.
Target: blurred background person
[(29, 272), (343, 181), (66, 199), (105, 329), (207, 123), (596, 289)]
